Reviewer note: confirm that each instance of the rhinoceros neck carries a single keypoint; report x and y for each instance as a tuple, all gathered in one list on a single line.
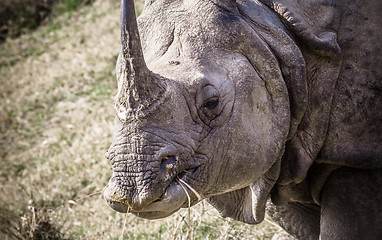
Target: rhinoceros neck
[(351, 135)]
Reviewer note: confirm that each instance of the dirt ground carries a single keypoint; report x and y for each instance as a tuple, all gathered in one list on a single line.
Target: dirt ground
[(56, 122)]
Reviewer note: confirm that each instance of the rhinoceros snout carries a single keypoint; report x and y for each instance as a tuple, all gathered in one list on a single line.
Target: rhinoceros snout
[(158, 197), (124, 198), (133, 189)]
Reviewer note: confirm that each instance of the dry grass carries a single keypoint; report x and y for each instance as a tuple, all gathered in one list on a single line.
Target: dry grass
[(56, 121)]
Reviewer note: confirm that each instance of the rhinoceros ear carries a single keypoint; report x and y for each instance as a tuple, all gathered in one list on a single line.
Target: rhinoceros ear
[(312, 21), (248, 204)]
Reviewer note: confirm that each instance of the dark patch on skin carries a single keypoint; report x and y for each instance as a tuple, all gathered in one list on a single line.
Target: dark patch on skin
[(172, 62)]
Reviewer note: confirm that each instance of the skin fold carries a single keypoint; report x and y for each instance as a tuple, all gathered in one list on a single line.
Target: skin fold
[(255, 106)]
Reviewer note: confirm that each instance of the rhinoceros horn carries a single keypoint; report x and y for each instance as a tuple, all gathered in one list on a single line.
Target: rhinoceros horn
[(138, 87)]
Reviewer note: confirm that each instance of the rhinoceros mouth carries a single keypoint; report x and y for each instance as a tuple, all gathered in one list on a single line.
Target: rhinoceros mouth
[(178, 194), (180, 180)]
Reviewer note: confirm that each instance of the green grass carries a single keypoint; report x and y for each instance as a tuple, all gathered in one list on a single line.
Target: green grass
[(23, 16), (70, 6), (49, 29), (40, 40)]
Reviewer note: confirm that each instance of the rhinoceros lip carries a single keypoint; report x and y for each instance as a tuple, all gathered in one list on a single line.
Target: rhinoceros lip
[(172, 201), (183, 175), (173, 198)]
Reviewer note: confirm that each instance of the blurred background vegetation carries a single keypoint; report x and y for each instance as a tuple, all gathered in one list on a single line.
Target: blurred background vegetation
[(57, 120), (20, 16)]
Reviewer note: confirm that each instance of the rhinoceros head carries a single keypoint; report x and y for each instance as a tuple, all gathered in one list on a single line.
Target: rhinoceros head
[(208, 112)]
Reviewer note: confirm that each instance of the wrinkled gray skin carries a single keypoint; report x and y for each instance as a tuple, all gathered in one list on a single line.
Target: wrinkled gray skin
[(245, 101)]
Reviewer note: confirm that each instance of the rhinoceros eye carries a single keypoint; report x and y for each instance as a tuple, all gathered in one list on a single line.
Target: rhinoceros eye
[(211, 103)]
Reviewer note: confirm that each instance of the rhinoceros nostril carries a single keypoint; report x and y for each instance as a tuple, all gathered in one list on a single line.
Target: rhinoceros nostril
[(168, 162)]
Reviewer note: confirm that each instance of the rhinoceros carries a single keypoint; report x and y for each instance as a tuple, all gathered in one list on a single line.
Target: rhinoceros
[(255, 105)]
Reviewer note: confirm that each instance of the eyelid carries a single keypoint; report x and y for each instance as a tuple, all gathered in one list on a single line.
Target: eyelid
[(213, 98), (211, 103), (211, 92)]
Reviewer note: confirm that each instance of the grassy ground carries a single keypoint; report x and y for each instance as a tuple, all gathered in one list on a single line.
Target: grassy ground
[(22, 16), (56, 122)]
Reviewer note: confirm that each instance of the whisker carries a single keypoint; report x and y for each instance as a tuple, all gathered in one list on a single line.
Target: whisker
[(87, 196), (181, 182), (192, 189), (189, 205), (124, 223)]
